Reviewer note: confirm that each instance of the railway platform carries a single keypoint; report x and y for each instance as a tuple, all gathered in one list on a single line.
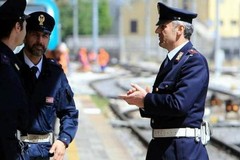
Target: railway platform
[(96, 139)]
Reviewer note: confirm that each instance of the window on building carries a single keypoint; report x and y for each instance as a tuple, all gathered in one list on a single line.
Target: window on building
[(233, 22), (133, 26), (221, 22)]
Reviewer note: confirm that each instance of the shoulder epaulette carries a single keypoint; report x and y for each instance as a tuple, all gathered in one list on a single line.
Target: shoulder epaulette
[(192, 51), (53, 62), (4, 59)]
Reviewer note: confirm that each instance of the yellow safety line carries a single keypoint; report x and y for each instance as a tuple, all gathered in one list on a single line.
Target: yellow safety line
[(72, 152)]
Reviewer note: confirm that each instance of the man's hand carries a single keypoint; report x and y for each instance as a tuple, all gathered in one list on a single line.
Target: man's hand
[(135, 95), (58, 148)]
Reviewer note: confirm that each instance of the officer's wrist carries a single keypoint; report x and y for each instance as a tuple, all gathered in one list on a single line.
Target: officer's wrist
[(65, 144)]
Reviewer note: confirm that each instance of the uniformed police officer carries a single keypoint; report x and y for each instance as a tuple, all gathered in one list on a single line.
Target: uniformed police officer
[(49, 92), (176, 104), (13, 99)]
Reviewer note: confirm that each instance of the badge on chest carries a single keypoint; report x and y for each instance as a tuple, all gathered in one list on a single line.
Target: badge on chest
[(49, 100)]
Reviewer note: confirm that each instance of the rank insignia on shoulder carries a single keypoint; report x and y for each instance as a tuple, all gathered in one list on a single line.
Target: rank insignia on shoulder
[(179, 56), (16, 66), (192, 51), (54, 62)]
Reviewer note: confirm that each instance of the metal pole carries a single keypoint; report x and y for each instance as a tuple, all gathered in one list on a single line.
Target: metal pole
[(95, 26), (217, 57), (75, 24), (239, 32), (194, 9), (122, 52), (148, 26)]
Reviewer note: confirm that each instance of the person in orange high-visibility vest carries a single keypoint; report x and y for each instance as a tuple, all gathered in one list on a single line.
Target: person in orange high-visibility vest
[(83, 59), (61, 55), (64, 56), (103, 59)]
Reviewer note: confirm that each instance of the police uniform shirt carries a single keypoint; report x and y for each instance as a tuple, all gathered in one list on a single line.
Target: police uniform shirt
[(30, 64), (179, 98), (172, 53), (13, 103)]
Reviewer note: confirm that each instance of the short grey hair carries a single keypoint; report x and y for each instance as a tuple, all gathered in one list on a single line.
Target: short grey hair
[(188, 28)]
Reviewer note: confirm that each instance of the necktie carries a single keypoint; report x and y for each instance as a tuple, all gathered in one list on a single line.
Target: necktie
[(34, 70), (33, 78), (166, 61)]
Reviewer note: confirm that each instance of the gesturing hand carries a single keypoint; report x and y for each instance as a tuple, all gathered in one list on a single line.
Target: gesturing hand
[(135, 95)]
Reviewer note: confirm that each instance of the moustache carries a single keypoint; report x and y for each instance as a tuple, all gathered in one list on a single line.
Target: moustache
[(39, 45)]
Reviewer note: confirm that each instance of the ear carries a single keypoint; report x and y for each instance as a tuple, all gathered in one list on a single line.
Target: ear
[(18, 27), (180, 29)]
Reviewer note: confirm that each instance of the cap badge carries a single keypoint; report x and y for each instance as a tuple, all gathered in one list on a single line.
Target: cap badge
[(41, 19)]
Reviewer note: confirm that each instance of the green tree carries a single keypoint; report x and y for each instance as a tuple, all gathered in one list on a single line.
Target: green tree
[(65, 18), (105, 23), (84, 17)]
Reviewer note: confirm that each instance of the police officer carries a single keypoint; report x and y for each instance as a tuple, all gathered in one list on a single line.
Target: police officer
[(49, 93), (13, 99), (176, 103)]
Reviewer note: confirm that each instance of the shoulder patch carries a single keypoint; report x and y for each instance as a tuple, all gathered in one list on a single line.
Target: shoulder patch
[(192, 51)]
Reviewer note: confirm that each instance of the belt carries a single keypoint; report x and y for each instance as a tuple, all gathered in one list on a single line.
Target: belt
[(37, 138), (176, 132)]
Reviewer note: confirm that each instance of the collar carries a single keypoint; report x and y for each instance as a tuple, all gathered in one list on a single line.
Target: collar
[(173, 52), (5, 47), (30, 64)]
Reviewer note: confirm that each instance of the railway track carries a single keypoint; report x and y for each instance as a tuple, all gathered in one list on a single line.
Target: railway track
[(220, 146)]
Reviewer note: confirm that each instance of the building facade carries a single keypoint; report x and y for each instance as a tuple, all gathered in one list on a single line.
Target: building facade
[(138, 18)]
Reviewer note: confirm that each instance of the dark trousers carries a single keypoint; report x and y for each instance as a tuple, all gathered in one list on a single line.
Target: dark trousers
[(8, 147), (35, 151), (176, 149)]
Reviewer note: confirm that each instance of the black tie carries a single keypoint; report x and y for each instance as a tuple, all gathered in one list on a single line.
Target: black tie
[(34, 70), (33, 78), (166, 61)]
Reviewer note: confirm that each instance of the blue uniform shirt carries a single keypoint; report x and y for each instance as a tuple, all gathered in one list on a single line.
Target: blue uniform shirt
[(13, 103), (51, 97), (177, 101)]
